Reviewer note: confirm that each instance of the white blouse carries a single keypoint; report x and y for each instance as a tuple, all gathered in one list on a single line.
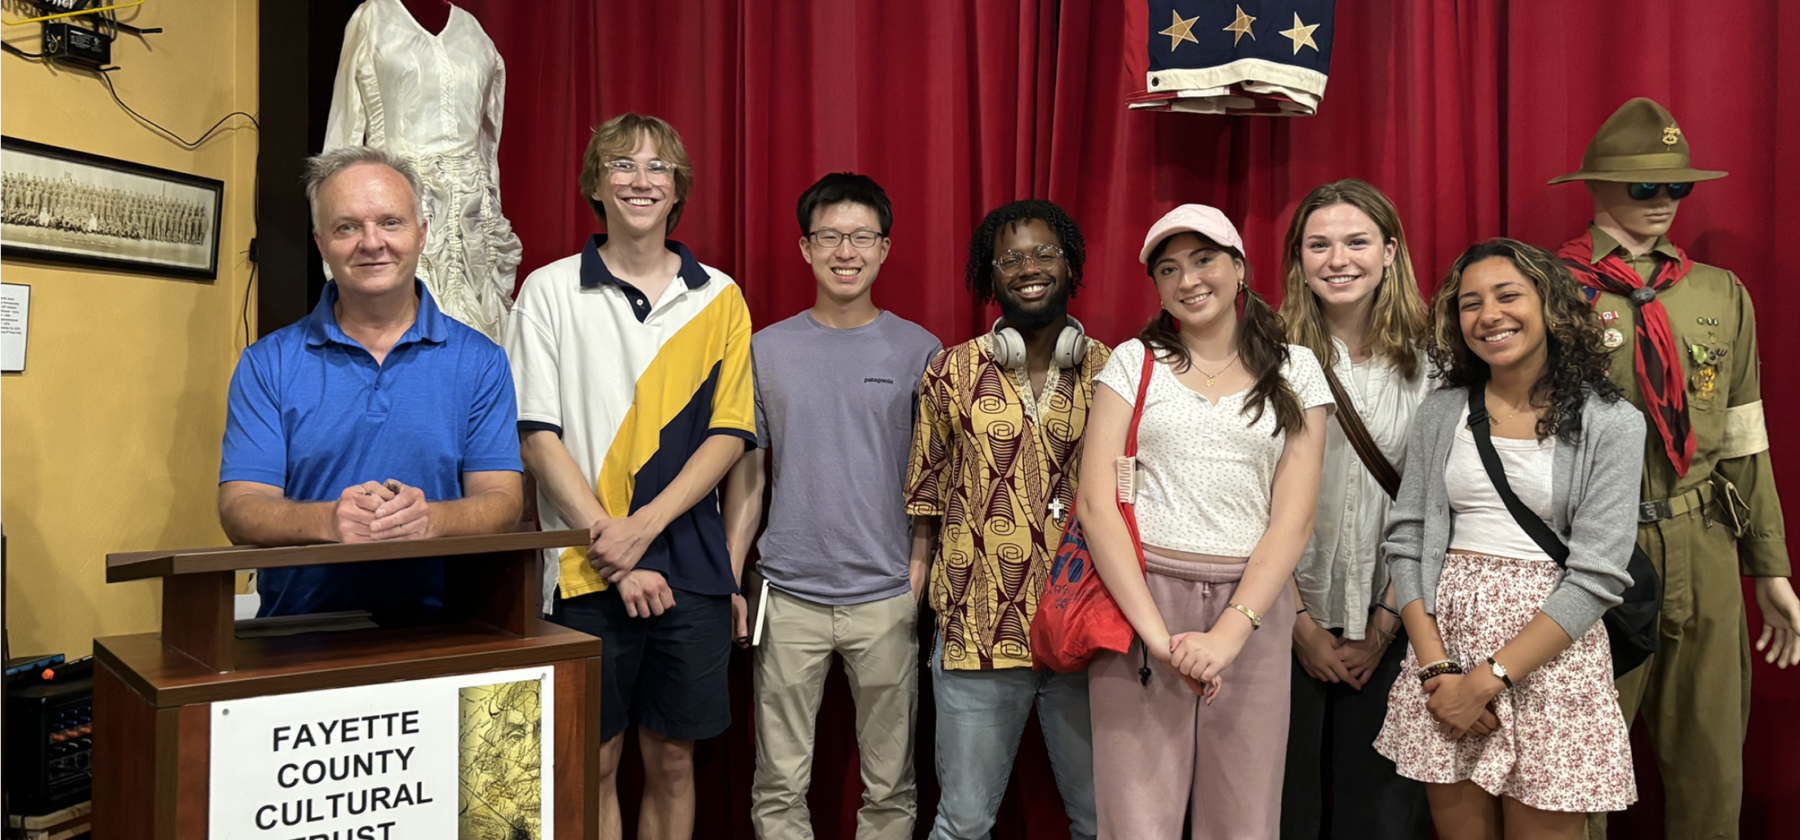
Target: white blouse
[(436, 100), (1341, 572), (1205, 472)]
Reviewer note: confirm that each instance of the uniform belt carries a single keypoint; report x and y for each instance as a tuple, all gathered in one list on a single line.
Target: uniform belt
[(1693, 500)]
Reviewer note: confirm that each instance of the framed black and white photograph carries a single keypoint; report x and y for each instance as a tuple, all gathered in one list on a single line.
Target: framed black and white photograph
[(73, 207)]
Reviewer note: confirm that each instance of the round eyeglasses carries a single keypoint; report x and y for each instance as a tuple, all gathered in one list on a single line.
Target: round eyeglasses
[(625, 169), (1013, 262)]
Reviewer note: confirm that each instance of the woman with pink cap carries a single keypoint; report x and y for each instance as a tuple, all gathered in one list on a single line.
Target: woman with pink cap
[(1230, 447)]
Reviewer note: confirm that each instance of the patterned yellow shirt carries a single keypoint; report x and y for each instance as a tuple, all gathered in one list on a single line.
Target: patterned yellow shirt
[(1004, 482)]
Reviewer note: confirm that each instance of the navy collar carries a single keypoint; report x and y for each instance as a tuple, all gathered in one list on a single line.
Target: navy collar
[(429, 323), (594, 270)]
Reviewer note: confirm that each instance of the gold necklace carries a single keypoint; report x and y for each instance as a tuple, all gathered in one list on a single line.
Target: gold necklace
[(1212, 376), (1528, 406)]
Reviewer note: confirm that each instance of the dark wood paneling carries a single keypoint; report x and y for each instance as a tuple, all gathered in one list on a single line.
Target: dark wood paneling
[(193, 778), (310, 661), (124, 759), (577, 749), (137, 565), (197, 617), (502, 590)]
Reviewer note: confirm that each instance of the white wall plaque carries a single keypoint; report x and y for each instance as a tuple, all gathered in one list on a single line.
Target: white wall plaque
[(462, 756), (15, 324)]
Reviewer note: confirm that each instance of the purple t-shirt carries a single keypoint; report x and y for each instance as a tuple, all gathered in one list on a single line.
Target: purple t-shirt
[(835, 409)]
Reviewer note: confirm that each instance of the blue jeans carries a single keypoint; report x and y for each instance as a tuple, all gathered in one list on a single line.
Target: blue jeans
[(980, 716)]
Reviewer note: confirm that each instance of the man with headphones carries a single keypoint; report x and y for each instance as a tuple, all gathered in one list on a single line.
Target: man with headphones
[(994, 461)]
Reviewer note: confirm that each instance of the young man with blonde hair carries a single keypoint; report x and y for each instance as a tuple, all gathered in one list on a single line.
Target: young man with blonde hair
[(632, 364)]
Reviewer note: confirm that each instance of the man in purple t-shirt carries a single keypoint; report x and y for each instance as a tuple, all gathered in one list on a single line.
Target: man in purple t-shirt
[(835, 398)]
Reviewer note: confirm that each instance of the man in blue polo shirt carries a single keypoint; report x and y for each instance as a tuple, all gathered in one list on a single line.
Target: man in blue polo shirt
[(375, 418)]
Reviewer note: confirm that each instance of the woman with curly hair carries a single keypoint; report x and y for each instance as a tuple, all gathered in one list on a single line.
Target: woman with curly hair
[(1514, 726), (1230, 442), (1351, 298)]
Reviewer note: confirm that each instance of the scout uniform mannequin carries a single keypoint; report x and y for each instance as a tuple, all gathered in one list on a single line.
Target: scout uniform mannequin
[(1683, 341)]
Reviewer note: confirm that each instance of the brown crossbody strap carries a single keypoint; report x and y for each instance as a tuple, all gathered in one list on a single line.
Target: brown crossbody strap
[(1360, 440)]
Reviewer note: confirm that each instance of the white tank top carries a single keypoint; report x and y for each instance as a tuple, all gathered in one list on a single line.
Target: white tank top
[(1479, 520)]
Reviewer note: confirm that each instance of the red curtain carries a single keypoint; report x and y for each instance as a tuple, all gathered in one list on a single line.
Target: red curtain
[(1458, 110)]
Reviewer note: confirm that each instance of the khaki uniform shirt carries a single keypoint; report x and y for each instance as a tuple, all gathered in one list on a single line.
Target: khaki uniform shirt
[(1714, 325)]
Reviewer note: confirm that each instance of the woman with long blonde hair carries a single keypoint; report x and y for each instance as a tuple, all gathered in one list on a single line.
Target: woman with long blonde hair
[(1351, 298)]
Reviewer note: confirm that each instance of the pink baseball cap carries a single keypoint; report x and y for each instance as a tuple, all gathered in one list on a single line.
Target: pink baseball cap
[(1192, 218)]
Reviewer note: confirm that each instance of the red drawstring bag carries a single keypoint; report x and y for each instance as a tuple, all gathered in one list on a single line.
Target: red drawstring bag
[(1076, 616)]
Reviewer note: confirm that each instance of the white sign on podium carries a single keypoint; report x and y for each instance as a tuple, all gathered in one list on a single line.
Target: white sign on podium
[(462, 756)]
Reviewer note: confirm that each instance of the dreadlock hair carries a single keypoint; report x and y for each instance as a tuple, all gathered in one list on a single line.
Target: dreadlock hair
[(1577, 360), (978, 273), (1261, 344), (1397, 317)]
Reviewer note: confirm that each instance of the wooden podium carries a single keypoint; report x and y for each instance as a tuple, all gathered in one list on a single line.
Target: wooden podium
[(153, 691)]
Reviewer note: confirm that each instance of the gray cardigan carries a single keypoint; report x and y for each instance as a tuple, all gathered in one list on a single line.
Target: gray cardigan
[(1594, 496)]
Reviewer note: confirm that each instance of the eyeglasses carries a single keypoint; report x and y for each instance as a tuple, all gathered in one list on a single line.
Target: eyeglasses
[(1013, 262), (861, 239), (1645, 192), (624, 169)]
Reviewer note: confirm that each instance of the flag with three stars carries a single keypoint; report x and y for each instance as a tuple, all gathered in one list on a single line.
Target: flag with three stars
[(1231, 56)]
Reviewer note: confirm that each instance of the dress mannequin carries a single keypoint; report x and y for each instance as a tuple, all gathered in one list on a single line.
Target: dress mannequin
[(419, 78), (433, 15)]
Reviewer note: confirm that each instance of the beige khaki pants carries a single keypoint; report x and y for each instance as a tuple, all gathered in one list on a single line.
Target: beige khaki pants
[(879, 644), (1694, 693)]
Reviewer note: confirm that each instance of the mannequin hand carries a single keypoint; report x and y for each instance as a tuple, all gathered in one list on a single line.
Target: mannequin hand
[(1781, 621), (1359, 658), (1316, 648), (1459, 701)]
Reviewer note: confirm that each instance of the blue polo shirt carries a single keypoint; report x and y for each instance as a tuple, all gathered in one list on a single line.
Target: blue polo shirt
[(312, 413)]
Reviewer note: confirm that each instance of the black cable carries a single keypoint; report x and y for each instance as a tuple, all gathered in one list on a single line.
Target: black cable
[(19, 52), (248, 288), (106, 76)]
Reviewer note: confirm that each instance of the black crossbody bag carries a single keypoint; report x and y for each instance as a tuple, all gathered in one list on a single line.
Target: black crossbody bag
[(1630, 626)]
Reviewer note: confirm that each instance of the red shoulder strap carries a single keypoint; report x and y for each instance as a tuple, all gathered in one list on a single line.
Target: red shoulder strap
[(1137, 408)]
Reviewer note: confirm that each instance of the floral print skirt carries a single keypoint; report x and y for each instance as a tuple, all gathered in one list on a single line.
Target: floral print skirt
[(1562, 744)]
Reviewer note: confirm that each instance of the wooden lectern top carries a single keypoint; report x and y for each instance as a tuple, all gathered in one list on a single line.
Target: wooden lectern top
[(491, 585), (138, 565)]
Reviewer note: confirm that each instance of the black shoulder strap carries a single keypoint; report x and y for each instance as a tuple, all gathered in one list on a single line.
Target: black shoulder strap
[(1539, 532)]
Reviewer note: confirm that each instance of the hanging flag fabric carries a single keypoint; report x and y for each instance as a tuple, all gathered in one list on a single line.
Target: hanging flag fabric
[(1244, 57)]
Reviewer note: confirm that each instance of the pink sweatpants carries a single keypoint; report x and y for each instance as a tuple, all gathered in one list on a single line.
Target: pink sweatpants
[(1158, 751)]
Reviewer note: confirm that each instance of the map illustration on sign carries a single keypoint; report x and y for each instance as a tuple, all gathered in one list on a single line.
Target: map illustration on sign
[(500, 766)]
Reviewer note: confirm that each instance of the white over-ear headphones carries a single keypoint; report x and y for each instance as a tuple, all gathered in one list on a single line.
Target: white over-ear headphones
[(1009, 346)]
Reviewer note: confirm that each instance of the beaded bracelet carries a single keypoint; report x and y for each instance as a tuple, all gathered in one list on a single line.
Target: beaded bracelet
[(1438, 669)]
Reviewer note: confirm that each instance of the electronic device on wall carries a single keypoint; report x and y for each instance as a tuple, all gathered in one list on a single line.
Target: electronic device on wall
[(79, 33)]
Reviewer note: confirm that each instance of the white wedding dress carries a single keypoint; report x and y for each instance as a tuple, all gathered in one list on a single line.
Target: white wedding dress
[(436, 100)]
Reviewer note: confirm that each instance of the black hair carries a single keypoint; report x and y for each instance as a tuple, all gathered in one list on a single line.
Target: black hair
[(839, 187), (1577, 359), (978, 273), (1261, 345)]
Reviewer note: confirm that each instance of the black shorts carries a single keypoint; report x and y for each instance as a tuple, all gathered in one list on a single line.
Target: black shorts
[(666, 673)]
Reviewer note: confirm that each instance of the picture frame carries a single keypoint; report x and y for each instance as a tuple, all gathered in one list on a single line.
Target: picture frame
[(65, 206)]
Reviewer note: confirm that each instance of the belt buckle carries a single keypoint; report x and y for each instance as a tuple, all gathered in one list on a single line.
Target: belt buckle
[(1652, 511)]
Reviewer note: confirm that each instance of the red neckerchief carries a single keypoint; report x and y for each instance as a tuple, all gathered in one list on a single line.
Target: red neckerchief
[(1658, 361)]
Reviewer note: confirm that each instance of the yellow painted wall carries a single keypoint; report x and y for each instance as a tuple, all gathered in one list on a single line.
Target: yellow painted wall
[(109, 441)]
